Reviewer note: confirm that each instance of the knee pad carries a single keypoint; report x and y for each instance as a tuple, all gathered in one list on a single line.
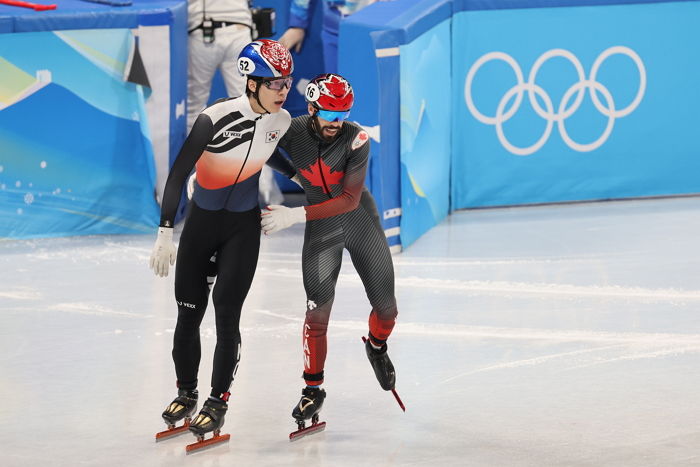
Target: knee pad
[(381, 323)]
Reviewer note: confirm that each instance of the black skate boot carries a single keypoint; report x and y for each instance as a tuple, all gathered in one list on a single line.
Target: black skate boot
[(381, 363), (209, 419), (308, 408), (182, 407)]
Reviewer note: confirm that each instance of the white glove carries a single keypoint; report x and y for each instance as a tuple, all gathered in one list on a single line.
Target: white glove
[(163, 252), (190, 185), (278, 218)]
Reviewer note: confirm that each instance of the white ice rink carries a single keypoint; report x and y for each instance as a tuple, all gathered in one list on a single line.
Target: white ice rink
[(538, 336)]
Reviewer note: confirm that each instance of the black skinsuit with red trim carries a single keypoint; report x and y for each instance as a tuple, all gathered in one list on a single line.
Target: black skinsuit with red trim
[(341, 214)]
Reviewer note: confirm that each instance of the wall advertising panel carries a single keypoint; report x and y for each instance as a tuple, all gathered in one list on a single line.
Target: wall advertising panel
[(425, 132), (583, 103), (74, 159)]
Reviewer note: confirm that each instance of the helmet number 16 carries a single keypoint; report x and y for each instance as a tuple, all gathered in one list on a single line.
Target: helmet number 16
[(312, 92)]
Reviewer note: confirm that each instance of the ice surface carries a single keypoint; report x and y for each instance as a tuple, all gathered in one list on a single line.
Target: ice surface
[(552, 335)]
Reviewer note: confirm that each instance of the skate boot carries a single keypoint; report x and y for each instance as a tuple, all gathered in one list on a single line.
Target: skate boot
[(383, 369), (308, 408), (209, 419), (182, 407), (381, 363)]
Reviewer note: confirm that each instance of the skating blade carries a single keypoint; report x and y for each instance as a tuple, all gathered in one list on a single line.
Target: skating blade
[(398, 399), (170, 432), (310, 430), (206, 443)]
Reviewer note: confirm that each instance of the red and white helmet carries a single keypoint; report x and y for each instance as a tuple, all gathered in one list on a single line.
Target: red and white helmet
[(265, 58), (330, 92)]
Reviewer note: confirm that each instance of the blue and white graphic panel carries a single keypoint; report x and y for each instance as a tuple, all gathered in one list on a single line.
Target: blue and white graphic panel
[(425, 132), (581, 103), (75, 152)]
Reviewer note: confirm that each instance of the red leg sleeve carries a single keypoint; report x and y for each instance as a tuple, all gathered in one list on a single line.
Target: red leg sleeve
[(314, 343)]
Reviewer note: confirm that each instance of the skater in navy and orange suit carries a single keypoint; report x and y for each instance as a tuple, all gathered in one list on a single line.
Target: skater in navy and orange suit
[(229, 143)]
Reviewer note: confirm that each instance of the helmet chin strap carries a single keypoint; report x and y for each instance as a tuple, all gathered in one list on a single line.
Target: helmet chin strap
[(257, 96)]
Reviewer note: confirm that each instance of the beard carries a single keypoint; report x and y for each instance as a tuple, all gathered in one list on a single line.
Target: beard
[(320, 131)]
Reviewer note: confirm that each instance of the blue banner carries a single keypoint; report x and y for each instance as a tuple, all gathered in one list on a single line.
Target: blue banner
[(584, 103), (376, 85), (368, 55), (425, 132), (75, 153)]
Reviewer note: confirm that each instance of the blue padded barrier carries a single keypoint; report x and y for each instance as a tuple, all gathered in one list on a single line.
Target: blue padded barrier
[(637, 47)]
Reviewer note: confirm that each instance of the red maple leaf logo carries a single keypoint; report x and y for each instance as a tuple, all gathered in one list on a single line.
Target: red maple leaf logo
[(337, 87), (319, 172)]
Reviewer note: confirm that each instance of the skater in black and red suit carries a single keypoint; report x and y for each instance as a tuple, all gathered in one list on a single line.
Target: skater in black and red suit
[(330, 156)]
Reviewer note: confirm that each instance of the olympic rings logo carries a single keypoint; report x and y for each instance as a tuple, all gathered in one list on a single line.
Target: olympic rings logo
[(564, 111)]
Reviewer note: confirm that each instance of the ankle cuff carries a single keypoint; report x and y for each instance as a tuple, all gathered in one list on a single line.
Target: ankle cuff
[(375, 341), (313, 379), (186, 385)]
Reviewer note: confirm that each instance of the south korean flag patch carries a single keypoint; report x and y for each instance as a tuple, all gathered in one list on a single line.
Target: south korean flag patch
[(361, 138), (272, 136)]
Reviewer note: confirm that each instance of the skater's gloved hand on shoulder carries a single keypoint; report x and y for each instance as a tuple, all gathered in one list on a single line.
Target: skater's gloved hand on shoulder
[(164, 252), (277, 218)]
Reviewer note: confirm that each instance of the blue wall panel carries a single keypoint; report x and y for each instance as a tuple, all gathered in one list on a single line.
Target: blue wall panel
[(608, 111), (425, 132), (73, 158), (636, 140)]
